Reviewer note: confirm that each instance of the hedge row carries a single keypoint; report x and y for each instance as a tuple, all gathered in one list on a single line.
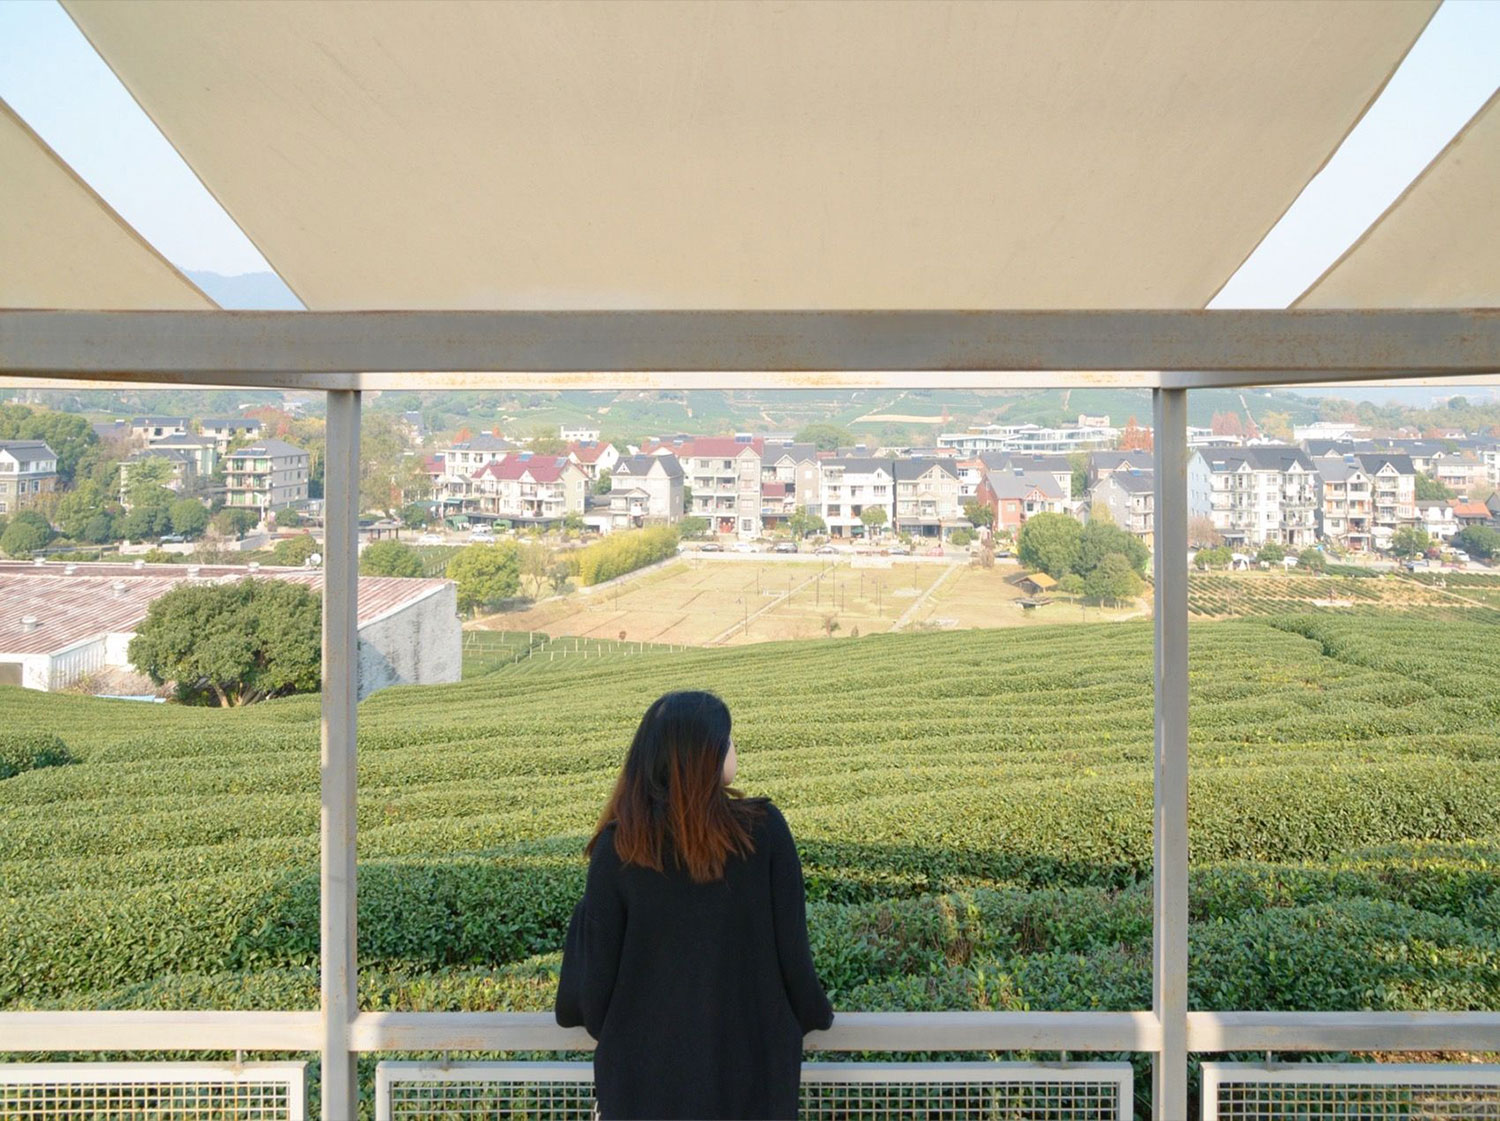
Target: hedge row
[(620, 553)]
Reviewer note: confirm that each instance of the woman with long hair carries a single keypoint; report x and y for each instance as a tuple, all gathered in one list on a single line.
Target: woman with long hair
[(687, 957)]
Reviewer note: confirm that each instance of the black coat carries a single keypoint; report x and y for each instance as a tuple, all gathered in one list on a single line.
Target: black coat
[(698, 994)]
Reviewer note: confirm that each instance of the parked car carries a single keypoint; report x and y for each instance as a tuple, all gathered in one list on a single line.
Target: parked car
[(825, 551), (711, 547), (746, 547), (481, 533), (785, 547), (899, 551), (430, 539), (173, 539)]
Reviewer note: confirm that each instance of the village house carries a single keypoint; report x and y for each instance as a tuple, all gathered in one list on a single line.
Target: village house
[(149, 429), (646, 489), (1014, 495), (591, 457), (853, 484), (526, 488), (28, 470), (223, 431), (724, 475), (1345, 503), (1129, 497), (927, 501), (1264, 494), (269, 474)]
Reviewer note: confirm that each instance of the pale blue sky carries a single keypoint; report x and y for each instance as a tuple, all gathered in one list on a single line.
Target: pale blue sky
[(52, 78)]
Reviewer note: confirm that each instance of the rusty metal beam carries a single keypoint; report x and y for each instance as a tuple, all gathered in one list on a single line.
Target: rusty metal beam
[(823, 348)]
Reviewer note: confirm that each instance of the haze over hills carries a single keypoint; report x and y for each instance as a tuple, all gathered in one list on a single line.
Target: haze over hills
[(249, 291)]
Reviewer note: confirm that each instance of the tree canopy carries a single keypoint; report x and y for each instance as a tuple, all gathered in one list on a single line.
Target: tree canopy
[(1478, 541), (1408, 541), (485, 574), (826, 436), (389, 558), (67, 434), (1430, 489), (1049, 543), (292, 552), (231, 644), (26, 532)]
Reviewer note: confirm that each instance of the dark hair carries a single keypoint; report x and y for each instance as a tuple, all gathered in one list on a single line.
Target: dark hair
[(671, 791)]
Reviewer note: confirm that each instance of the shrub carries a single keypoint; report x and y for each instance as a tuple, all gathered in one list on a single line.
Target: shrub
[(293, 552), (26, 533), (389, 558), (28, 751), (625, 552), (485, 574)]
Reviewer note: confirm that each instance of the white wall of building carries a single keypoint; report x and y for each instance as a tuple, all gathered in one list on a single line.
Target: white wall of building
[(420, 643)]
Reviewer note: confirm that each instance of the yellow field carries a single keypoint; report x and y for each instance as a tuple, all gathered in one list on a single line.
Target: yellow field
[(698, 603)]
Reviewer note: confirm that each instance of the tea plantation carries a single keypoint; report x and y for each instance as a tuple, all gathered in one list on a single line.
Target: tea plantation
[(973, 808)]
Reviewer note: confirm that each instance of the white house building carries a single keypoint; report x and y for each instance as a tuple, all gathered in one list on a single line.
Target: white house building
[(850, 486), (1262, 494), (527, 488), (269, 474), (646, 489), (28, 470)]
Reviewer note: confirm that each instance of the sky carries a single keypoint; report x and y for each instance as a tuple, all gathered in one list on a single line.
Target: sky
[(51, 76)]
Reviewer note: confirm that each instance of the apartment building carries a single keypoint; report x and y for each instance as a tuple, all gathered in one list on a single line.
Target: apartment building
[(1463, 472), (577, 434), (1264, 494), (851, 485), (1393, 488), (1032, 437), (461, 460), (28, 470), (527, 488), (269, 474), (1346, 497), (1437, 517), (1129, 497), (927, 497), (724, 475), (646, 489), (223, 431)]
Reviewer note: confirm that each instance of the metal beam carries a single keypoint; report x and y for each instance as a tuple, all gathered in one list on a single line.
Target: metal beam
[(159, 1031), (338, 886), (1169, 941), (852, 1031), (1343, 1031), (263, 347)]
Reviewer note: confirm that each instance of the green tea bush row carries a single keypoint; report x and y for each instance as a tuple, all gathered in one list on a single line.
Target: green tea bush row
[(620, 553), (30, 751)]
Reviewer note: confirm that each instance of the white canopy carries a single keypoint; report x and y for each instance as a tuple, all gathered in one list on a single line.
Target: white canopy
[(1439, 244), (737, 155), (61, 246)]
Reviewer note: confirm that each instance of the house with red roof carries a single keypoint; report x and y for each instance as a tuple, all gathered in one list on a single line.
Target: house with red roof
[(591, 457), (723, 474), (526, 489)]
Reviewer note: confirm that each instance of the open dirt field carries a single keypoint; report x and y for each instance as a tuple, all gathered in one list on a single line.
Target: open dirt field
[(697, 603)]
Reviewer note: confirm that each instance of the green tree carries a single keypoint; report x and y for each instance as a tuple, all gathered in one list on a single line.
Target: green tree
[(382, 446), (292, 552), (604, 483), (1313, 560), (389, 558), (1079, 462), (288, 519), (801, 523), (1100, 539), (102, 528), (559, 577), (826, 436), (232, 644), (873, 517), (536, 560), (1478, 541), (572, 522), (697, 527), (235, 521), (1072, 584), (1409, 541), (189, 517), (26, 532), (1271, 552), (415, 515), (546, 441), (1112, 580), (146, 522), (485, 574), (979, 513), (144, 478), (77, 507), (1430, 489), (70, 436), (1049, 543)]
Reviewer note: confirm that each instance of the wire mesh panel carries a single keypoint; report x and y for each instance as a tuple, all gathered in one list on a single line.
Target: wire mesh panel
[(874, 1091), (152, 1092), (1351, 1092)]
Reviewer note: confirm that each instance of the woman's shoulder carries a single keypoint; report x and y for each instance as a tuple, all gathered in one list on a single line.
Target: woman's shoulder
[(768, 817)]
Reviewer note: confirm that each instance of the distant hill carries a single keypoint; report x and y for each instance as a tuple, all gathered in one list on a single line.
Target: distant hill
[(249, 291)]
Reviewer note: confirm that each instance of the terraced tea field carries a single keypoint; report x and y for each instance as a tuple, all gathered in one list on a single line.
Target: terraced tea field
[(1460, 595), (974, 811)]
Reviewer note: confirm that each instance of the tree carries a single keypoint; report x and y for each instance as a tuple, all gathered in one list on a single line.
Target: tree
[(1409, 541), (1218, 556), (144, 478), (232, 644), (389, 558), (559, 577), (382, 447), (485, 574), (1430, 489), (293, 552), (827, 437), (146, 522), (1313, 560), (1478, 541), (1201, 531), (77, 507), (1134, 438), (102, 528), (1227, 424), (830, 624), (235, 521), (979, 513), (697, 527), (1049, 543), (1071, 584), (189, 517), (415, 515), (1079, 461), (536, 560), (1271, 553), (26, 532), (1113, 580), (70, 436), (1278, 426), (1098, 540), (573, 522), (604, 483), (873, 517), (288, 519), (546, 441), (801, 523)]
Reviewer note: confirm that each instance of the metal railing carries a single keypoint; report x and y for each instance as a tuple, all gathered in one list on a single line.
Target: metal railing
[(153, 1091), (560, 1091), (1350, 1092)]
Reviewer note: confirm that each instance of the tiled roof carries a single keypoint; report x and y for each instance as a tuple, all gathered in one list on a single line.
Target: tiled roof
[(268, 448), (72, 608), (541, 468), (637, 466)]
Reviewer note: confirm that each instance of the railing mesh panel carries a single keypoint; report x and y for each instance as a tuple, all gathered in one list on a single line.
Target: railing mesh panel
[(996, 1094), (142, 1096), (1383, 1094)]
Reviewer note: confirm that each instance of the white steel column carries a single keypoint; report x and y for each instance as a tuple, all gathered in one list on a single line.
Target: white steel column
[(340, 1085), (1169, 943)]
